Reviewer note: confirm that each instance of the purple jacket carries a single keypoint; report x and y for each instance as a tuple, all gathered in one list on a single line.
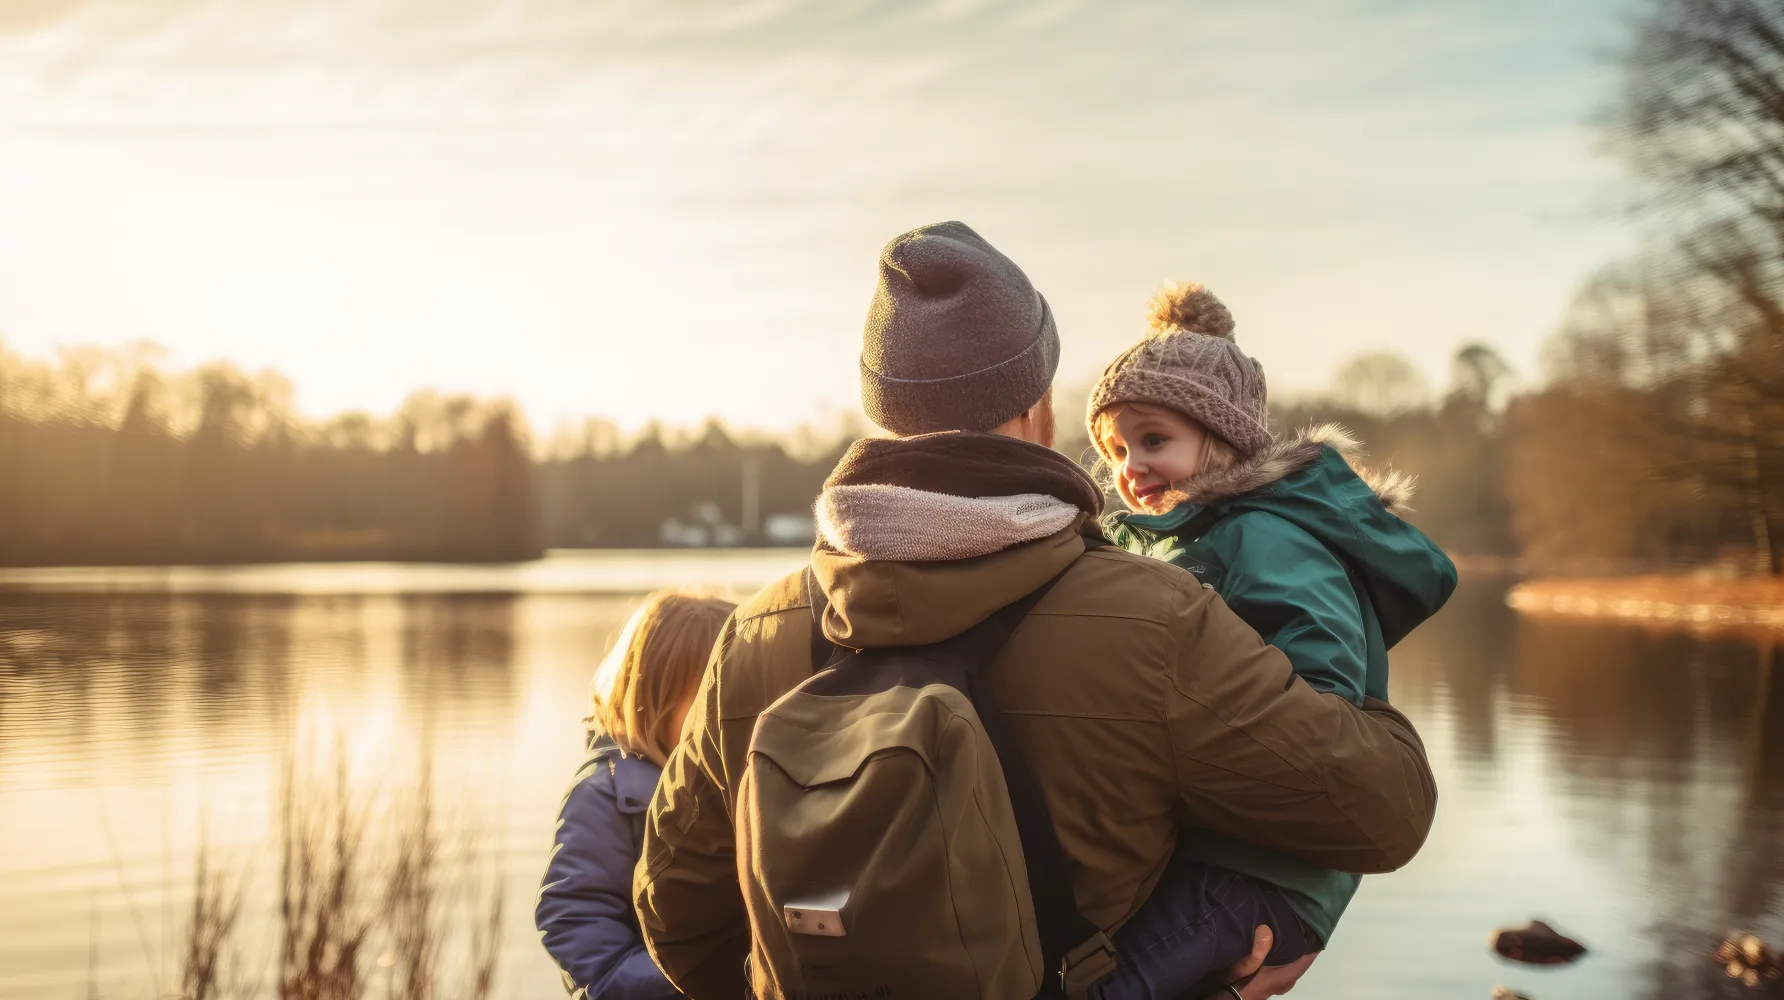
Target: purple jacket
[(585, 911)]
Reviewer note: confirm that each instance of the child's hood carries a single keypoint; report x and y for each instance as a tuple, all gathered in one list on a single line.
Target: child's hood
[(1312, 481), (634, 777)]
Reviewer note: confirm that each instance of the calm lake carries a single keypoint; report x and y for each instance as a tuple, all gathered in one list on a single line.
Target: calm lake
[(1628, 787)]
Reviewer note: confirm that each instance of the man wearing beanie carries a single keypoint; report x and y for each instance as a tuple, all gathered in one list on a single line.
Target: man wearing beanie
[(957, 339), (1139, 701)]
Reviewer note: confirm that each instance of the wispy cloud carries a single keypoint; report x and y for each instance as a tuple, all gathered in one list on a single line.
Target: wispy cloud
[(597, 181)]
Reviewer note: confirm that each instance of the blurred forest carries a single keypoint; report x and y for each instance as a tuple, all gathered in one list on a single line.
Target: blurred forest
[(1653, 438), (601, 490), (1660, 433), (118, 461), (109, 459)]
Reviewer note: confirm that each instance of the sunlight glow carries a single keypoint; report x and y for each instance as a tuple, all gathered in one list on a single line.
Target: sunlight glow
[(653, 212)]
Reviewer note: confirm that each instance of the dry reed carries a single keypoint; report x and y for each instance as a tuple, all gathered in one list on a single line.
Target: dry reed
[(342, 912)]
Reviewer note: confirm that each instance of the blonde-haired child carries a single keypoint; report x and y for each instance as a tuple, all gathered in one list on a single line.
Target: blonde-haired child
[(1305, 550), (642, 693)]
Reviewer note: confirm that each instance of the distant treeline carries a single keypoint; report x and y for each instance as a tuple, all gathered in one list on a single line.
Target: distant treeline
[(107, 459), (1660, 434), (111, 460), (600, 492)]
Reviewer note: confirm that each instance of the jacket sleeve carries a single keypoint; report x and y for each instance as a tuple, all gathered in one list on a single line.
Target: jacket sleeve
[(1294, 591), (585, 906), (690, 905), (1262, 756)]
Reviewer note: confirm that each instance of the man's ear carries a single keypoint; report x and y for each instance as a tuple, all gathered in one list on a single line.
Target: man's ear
[(1034, 425), (1045, 427)]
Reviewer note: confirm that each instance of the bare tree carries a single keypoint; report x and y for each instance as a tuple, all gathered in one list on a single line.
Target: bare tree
[(1380, 383), (1701, 124), (1477, 374)]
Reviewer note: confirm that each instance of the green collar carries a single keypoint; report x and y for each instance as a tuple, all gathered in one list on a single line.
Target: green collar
[(1165, 523)]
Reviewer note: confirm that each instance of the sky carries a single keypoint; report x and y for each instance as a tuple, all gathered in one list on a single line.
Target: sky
[(661, 210)]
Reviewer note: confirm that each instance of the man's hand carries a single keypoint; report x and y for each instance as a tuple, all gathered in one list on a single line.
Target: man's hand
[(1255, 982)]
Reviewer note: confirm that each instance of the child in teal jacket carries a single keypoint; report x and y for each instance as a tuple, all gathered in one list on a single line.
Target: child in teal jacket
[(1299, 545)]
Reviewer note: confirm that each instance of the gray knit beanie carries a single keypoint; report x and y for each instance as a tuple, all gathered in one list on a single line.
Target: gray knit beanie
[(956, 338), (1190, 364)]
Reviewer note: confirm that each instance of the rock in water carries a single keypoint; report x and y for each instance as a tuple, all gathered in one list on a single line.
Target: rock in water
[(1748, 959), (1536, 943), (1505, 993)]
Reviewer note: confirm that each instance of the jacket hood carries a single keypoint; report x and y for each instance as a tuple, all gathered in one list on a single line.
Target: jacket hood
[(1313, 481), (634, 777), (1288, 455), (921, 538)]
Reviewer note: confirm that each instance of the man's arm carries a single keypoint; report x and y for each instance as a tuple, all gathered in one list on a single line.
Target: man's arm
[(1262, 756), (690, 907)]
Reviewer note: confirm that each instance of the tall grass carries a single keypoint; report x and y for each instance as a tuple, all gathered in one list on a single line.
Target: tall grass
[(323, 917), (216, 906), (347, 912)]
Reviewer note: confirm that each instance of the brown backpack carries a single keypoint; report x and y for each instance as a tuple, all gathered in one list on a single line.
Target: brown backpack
[(891, 841)]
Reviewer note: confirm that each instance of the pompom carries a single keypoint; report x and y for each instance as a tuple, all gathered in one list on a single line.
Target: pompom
[(1189, 307)]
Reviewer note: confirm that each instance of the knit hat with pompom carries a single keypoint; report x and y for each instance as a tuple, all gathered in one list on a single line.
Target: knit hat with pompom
[(1190, 364)]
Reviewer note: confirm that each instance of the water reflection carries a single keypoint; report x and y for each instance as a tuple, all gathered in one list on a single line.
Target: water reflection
[(460, 645), (1627, 785), (128, 718), (80, 673), (1670, 751), (1455, 664), (1742, 877)]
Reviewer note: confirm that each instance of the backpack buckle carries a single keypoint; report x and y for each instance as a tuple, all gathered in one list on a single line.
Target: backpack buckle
[(820, 916), (1085, 964)]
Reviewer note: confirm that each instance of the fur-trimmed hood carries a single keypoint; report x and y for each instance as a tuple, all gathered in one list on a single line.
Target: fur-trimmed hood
[(1288, 455), (1312, 482)]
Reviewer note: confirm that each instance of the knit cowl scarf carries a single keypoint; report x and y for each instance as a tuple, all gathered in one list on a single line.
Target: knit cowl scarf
[(950, 495)]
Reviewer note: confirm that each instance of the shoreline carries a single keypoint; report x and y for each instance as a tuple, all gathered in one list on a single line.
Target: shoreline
[(348, 557), (1691, 602)]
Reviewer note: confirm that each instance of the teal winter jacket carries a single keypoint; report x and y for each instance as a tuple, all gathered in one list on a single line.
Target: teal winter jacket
[(1315, 559)]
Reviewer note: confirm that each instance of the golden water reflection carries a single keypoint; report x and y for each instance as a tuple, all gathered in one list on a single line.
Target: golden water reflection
[(1629, 787)]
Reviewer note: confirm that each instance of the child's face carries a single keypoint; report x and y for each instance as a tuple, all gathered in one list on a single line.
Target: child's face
[(1151, 447)]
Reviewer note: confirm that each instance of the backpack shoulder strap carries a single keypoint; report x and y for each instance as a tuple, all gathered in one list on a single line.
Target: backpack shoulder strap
[(823, 651), (1062, 929)]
